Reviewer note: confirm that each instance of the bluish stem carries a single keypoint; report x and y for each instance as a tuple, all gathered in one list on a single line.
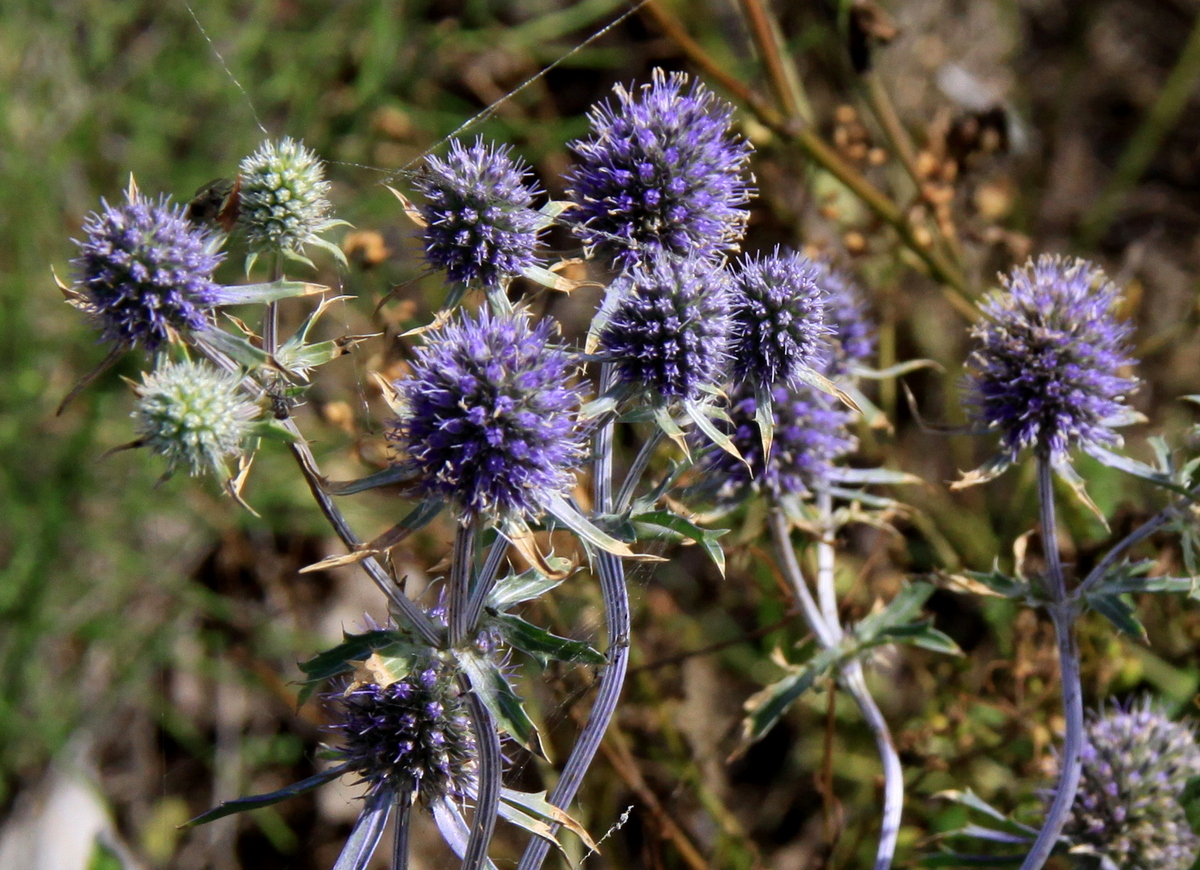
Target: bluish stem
[(616, 616), (1062, 613), (485, 581), (634, 476), (404, 802), (487, 799), (462, 569), (782, 536)]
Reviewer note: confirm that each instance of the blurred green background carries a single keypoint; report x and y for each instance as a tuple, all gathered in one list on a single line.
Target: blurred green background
[(149, 630)]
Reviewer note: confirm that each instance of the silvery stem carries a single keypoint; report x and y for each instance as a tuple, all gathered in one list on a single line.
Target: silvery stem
[(616, 617), (462, 569), (487, 799), (1062, 612)]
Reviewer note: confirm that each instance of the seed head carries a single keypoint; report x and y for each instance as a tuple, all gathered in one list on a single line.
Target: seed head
[(411, 734), (480, 226), (144, 273), (810, 436), (779, 314), (660, 171), (284, 197), (490, 415), (669, 325), (194, 415), (1136, 763), (1046, 372)]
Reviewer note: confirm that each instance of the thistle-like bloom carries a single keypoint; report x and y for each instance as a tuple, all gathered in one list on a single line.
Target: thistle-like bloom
[(489, 418), (144, 272), (669, 324), (1046, 374), (1136, 763), (660, 171), (284, 198), (193, 415), (810, 436), (413, 734), (853, 339), (779, 313), (480, 226)]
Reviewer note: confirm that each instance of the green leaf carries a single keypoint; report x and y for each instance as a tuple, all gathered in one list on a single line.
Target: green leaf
[(901, 610), (237, 349), (536, 804), (526, 586), (921, 634), (767, 706), (543, 645), (700, 416), (241, 805), (336, 661), (993, 582), (1119, 612), (558, 508), (1135, 468), (661, 521), (874, 476), (488, 681), (764, 415), (248, 294)]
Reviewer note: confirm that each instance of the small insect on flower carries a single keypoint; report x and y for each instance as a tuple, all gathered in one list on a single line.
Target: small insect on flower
[(660, 171), (217, 203), (145, 273), (480, 226), (194, 416)]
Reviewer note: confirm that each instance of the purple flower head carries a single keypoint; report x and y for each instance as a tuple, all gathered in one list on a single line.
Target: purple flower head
[(779, 313), (660, 172), (480, 227), (144, 272), (410, 734), (1046, 373), (811, 435), (489, 419), (853, 339), (669, 324), (1136, 763)]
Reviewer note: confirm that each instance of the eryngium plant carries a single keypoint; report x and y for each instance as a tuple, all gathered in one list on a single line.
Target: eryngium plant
[(660, 171), (480, 227), (144, 273), (193, 415), (1127, 814), (1047, 374), (488, 416)]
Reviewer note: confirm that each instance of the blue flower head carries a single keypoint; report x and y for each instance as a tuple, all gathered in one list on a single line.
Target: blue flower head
[(411, 734), (480, 226), (193, 415), (1046, 373), (810, 436), (1136, 764), (489, 417), (853, 339), (283, 198), (144, 273), (779, 310), (660, 171), (668, 325)]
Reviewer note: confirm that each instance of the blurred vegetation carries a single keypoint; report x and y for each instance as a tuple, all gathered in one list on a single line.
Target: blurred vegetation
[(163, 623)]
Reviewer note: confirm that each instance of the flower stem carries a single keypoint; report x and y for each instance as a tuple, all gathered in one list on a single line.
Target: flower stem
[(487, 801), (625, 496), (1062, 613), (462, 567), (616, 616), (782, 537), (404, 802)]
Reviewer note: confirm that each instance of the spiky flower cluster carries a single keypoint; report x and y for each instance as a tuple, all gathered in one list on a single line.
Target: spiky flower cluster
[(668, 325), (144, 273), (779, 315), (660, 171), (193, 415), (853, 340), (1136, 763), (810, 435), (489, 415), (1046, 373), (284, 197), (410, 734), (480, 226)]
